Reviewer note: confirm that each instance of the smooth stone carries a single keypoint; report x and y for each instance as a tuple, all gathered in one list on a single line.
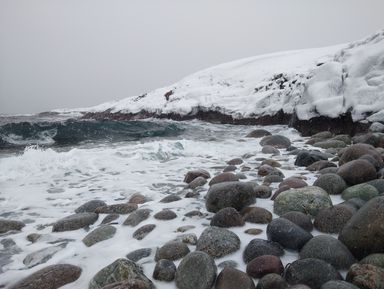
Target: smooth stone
[(271, 162), (264, 265), (338, 285), (170, 199), (309, 200), (188, 238), (228, 263), (118, 271), (330, 250), (263, 192), (100, 234), (230, 278), (332, 220), (235, 162), (75, 222), (172, 250), (277, 141), (195, 214), (256, 215), (165, 215), (302, 220), (287, 234), (165, 270), (227, 217), (110, 218), (366, 276), (361, 191), (293, 183), (90, 207), (374, 259), (137, 217), (260, 247), (272, 281), (230, 194), (143, 231), (223, 178), (138, 199), (198, 182), (319, 165), (139, 254), (268, 149), (185, 228), (191, 175), (258, 133), (253, 231), (330, 170), (34, 237), (306, 158), (218, 242), (197, 270), (330, 144), (311, 272), (10, 225), (357, 172), (356, 151), (121, 209), (50, 277), (230, 168), (272, 179), (42, 256), (364, 232), (378, 184), (333, 184)]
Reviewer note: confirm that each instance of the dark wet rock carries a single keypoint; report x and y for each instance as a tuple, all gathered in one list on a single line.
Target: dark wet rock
[(230, 278), (34, 237), (264, 265), (302, 220), (172, 250), (374, 139), (230, 194), (137, 217), (235, 162), (143, 231), (189, 238), (271, 162), (293, 183), (198, 182), (372, 160), (263, 192), (90, 207), (363, 234), (287, 234), (374, 259), (131, 284), (309, 200), (197, 270), (277, 141), (138, 199), (311, 272), (273, 179), (120, 270), (110, 218), (331, 143), (366, 276), (319, 165), (307, 158), (42, 256), (333, 184), (139, 254), (322, 135), (191, 175), (10, 225), (257, 133), (358, 150), (361, 191), (218, 242), (170, 199), (99, 234), (256, 215), (227, 217), (228, 263), (378, 184), (329, 170), (192, 194), (260, 247), (195, 214), (332, 220), (272, 281), (224, 177), (165, 215), (165, 270), (338, 285), (122, 209), (344, 138), (74, 222), (50, 277), (268, 149), (330, 250), (357, 172), (230, 168), (253, 231), (265, 170)]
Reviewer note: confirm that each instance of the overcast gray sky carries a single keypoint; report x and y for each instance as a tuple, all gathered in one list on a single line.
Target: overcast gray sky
[(76, 53)]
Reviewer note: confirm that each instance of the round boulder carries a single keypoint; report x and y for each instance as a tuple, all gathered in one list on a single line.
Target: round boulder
[(361, 191), (260, 247), (165, 270), (357, 172), (257, 133), (366, 276), (332, 220), (272, 281), (227, 217), (191, 175), (102, 233), (256, 215), (173, 250), (230, 278), (90, 206), (264, 265), (356, 151), (223, 178), (333, 184), (277, 141), (302, 220), (74, 222)]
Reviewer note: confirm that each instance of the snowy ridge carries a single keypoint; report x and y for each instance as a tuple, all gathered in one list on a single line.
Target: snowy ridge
[(313, 82)]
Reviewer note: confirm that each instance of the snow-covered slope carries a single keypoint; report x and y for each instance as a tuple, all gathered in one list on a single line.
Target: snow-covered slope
[(327, 81)]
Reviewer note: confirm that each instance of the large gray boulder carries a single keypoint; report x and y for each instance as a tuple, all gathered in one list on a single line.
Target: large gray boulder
[(74, 222)]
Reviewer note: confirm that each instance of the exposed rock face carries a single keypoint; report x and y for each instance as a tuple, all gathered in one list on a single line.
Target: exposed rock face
[(50, 277), (364, 232)]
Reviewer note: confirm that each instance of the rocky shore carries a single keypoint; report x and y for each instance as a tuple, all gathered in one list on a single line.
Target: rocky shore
[(320, 204)]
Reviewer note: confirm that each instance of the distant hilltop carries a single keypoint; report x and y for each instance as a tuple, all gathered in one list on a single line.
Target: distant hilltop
[(338, 88)]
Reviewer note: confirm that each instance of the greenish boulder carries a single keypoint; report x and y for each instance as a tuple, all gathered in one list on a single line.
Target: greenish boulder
[(362, 191)]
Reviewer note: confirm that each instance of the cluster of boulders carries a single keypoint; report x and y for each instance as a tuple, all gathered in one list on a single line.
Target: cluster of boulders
[(349, 167)]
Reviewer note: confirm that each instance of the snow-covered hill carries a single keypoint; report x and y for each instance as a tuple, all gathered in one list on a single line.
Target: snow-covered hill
[(308, 83)]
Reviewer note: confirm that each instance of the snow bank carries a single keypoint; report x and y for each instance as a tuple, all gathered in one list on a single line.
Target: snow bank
[(326, 81)]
